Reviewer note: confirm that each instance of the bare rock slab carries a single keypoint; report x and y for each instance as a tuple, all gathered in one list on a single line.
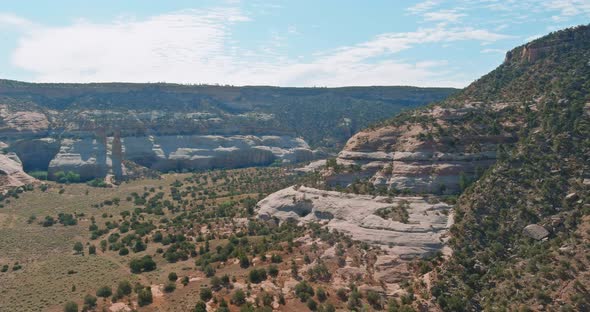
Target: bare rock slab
[(423, 232)]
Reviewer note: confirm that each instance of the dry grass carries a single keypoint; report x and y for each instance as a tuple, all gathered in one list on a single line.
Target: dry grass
[(45, 253), (50, 269)]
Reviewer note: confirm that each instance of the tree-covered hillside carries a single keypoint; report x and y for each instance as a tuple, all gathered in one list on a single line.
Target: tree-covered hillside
[(543, 179)]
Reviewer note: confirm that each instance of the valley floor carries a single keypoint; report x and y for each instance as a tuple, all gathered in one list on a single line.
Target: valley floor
[(200, 226)]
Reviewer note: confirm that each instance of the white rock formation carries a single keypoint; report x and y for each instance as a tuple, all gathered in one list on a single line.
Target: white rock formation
[(11, 172), (92, 157), (313, 166), (213, 151), (423, 157), (355, 214), (87, 157)]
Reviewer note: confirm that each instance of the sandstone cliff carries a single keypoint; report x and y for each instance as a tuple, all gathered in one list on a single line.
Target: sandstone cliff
[(92, 129), (95, 157), (433, 150), (11, 172)]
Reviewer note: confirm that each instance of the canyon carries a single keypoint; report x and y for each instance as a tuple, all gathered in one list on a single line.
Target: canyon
[(94, 130), (359, 198)]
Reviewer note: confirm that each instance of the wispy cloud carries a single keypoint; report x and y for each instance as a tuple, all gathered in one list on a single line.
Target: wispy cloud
[(449, 16), (293, 30), (197, 46), (533, 37), (568, 8), (486, 51), (424, 6), (7, 19)]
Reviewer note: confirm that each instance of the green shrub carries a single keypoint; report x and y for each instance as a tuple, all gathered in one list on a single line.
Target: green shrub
[(124, 288), (239, 297), (257, 275), (71, 307), (39, 175), (205, 294), (89, 302), (144, 297), (104, 292), (170, 287), (304, 291)]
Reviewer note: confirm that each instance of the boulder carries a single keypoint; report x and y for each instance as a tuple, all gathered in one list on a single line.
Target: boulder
[(535, 231), (17, 122)]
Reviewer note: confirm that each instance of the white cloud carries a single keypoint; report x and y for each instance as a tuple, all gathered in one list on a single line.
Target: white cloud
[(449, 16), (170, 44), (568, 8), (424, 6), (486, 51), (352, 65), (197, 47), (11, 20)]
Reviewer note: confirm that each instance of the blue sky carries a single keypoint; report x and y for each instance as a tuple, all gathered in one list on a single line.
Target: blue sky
[(283, 43)]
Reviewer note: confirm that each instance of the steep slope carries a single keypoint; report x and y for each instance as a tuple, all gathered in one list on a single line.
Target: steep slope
[(442, 147), (543, 179), (523, 133)]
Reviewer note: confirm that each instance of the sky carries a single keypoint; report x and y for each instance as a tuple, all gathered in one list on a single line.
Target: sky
[(302, 43)]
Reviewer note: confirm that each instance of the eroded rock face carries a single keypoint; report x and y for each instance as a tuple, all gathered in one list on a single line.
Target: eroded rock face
[(11, 172), (213, 151), (95, 157), (37, 153), (20, 122), (86, 157), (425, 158), (357, 215)]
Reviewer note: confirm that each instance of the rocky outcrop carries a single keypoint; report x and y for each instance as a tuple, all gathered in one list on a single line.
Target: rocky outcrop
[(95, 157), (86, 157), (420, 158), (323, 116), (213, 151), (117, 155), (20, 122), (11, 172), (358, 215), (93, 129), (36, 154), (535, 51), (535, 231)]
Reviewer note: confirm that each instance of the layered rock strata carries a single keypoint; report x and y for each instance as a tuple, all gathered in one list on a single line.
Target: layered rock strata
[(426, 158), (95, 157)]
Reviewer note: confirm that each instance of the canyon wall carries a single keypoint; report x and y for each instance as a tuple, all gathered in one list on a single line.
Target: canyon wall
[(96, 157), (93, 129), (435, 150)]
